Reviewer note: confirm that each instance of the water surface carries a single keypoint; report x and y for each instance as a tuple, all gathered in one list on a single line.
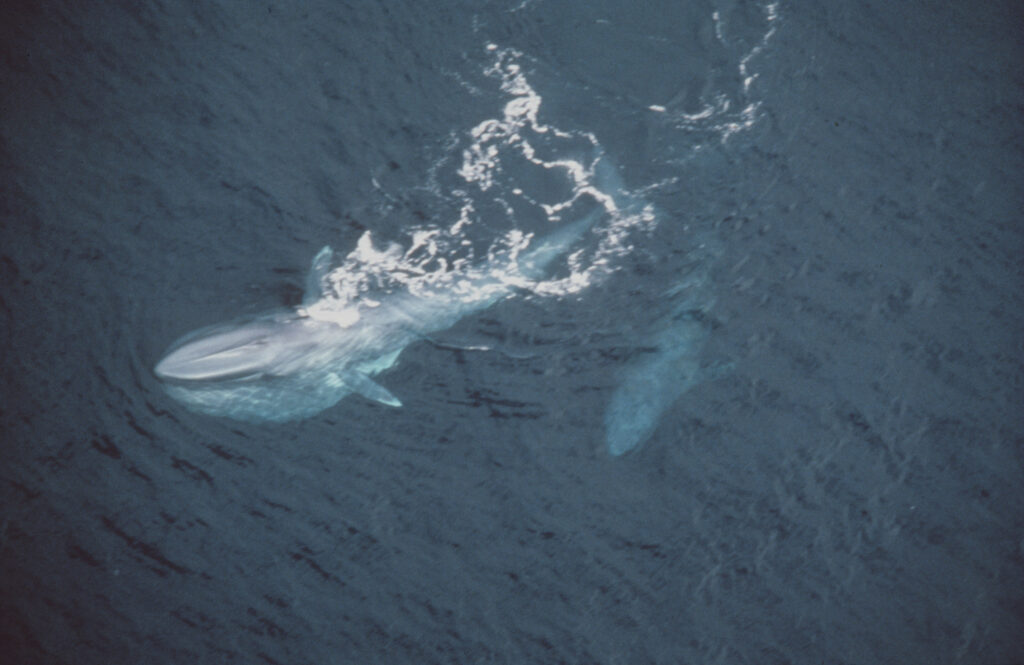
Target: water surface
[(819, 292)]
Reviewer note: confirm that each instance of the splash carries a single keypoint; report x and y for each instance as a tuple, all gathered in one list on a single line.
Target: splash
[(726, 115), (514, 180)]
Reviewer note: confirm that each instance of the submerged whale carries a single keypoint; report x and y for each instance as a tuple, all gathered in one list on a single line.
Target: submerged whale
[(670, 363), (651, 385), (293, 364)]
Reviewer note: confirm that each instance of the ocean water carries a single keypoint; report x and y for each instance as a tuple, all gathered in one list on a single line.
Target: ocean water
[(767, 410)]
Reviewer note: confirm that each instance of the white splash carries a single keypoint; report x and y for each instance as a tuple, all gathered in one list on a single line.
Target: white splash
[(511, 163), (721, 115)]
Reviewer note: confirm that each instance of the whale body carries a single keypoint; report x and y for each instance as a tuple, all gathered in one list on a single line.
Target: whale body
[(652, 384), (291, 364), (670, 363)]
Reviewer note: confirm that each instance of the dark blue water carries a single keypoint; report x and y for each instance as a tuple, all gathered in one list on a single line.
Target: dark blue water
[(810, 345)]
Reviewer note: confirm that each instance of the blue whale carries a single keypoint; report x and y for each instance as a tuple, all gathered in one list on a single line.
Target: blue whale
[(292, 364)]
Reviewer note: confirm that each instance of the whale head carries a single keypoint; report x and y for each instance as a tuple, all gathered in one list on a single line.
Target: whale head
[(240, 350)]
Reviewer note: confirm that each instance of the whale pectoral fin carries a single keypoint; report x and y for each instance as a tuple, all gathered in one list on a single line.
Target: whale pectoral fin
[(360, 383), (315, 279)]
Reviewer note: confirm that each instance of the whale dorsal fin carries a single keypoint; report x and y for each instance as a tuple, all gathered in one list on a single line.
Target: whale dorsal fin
[(361, 383), (317, 272)]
